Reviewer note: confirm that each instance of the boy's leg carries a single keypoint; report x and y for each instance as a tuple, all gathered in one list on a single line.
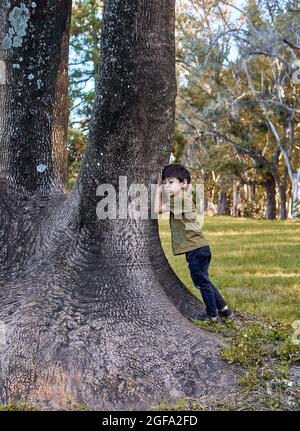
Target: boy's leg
[(220, 301), (198, 261)]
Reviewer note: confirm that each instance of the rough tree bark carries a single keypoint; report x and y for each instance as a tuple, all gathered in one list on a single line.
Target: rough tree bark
[(91, 308)]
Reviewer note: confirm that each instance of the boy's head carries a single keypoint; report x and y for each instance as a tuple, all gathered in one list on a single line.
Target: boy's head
[(175, 178)]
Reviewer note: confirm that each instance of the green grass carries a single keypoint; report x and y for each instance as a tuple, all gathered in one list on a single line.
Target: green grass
[(71, 405), (255, 264), (20, 406), (266, 353)]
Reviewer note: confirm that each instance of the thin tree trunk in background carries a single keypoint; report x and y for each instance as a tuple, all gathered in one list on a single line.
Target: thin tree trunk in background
[(282, 196), (243, 199), (251, 194), (281, 184), (270, 187), (222, 201), (235, 198), (283, 203), (222, 205)]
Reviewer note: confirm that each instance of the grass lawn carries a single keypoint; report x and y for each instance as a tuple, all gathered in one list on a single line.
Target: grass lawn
[(255, 264)]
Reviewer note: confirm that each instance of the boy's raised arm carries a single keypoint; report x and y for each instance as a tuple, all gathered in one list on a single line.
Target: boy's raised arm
[(159, 206)]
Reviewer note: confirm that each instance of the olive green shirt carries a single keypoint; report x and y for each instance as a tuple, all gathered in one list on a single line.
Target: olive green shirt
[(185, 224)]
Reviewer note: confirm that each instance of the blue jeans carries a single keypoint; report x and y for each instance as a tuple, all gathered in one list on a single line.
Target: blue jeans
[(198, 261)]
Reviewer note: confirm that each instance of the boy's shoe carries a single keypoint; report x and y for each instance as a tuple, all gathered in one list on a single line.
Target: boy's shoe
[(226, 313), (204, 316)]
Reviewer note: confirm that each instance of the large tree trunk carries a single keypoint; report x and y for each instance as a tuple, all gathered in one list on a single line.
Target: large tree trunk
[(91, 307)]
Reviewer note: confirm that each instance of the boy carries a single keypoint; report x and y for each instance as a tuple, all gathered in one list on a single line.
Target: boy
[(187, 237)]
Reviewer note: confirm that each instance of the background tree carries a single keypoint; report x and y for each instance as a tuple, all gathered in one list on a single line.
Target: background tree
[(255, 111)]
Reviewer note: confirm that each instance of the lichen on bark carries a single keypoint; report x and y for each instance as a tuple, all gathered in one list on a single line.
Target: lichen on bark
[(18, 19)]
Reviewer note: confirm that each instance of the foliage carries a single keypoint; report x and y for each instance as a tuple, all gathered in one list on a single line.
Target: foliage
[(236, 98)]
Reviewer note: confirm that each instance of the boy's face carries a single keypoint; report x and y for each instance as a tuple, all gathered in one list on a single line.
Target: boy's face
[(173, 186)]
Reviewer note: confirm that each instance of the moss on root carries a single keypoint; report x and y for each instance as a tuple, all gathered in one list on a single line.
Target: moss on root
[(265, 351)]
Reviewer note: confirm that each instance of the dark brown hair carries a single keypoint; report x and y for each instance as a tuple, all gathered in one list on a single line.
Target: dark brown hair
[(177, 171)]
